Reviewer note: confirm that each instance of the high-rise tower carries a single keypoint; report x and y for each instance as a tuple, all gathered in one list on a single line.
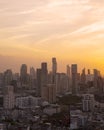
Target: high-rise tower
[(74, 78), (54, 69), (23, 75)]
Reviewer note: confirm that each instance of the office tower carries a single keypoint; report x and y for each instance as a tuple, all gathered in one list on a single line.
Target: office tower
[(24, 77), (89, 71), (32, 78), (23, 74), (83, 76), (44, 73), (68, 71), (49, 93), (9, 97), (32, 73), (8, 76), (96, 75), (54, 70), (23, 71), (58, 77), (44, 76), (38, 79), (54, 66), (100, 84), (69, 77), (62, 83), (74, 78), (88, 102)]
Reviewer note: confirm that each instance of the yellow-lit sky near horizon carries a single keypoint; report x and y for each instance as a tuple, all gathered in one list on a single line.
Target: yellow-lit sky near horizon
[(32, 31)]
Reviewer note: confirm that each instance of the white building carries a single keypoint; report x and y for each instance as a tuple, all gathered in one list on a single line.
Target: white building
[(88, 102), (27, 102), (9, 97), (78, 119)]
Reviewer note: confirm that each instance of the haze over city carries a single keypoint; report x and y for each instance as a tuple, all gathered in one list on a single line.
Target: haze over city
[(32, 31)]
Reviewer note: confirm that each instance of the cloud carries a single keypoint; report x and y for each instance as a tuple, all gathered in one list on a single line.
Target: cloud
[(42, 21)]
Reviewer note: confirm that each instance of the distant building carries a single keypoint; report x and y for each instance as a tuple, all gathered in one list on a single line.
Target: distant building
[(38, 85), (62, 83), (8, 76), (88, 102), (74, 76), (24, 77), (9, 97), (32, 73), (27, 102), (49, 93), (96, 75), (32, 78), (83, 76), (54, 70), (44, 76), (68, 72), (23, 74)]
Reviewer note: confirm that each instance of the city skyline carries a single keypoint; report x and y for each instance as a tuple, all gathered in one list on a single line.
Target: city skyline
[(34, 31), (52, 67)]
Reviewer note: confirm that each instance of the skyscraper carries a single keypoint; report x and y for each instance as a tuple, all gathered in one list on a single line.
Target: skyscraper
[(44, 73), (8, 77), (69, 77), (96, 76), (54, 69), (44, 76), (23, 74), (74, 78), (68, 71), (32, 73), (54, 65), (38, 79), (83, 76), (32, 78)]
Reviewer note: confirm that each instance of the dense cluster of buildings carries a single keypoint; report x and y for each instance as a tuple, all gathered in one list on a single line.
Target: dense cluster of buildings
[(23, 92)]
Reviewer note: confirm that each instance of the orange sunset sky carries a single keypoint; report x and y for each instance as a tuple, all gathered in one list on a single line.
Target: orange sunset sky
[(32, 31)]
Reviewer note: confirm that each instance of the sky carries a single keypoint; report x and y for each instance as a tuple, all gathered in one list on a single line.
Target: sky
[(34, 31)]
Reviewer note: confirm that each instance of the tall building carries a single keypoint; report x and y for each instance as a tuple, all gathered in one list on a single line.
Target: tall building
[(9, 97), (49, 93), (44, 75), (68, 71), (32, 78), (54, 65), (89, 71), (58, 78), (62, 83), (8, 76), (83, 76), (23, 71), (38, 79), (96, 76), (69, 77), (32, 73), (74, 76), (54, 70), (88, 102), (23, 74)]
